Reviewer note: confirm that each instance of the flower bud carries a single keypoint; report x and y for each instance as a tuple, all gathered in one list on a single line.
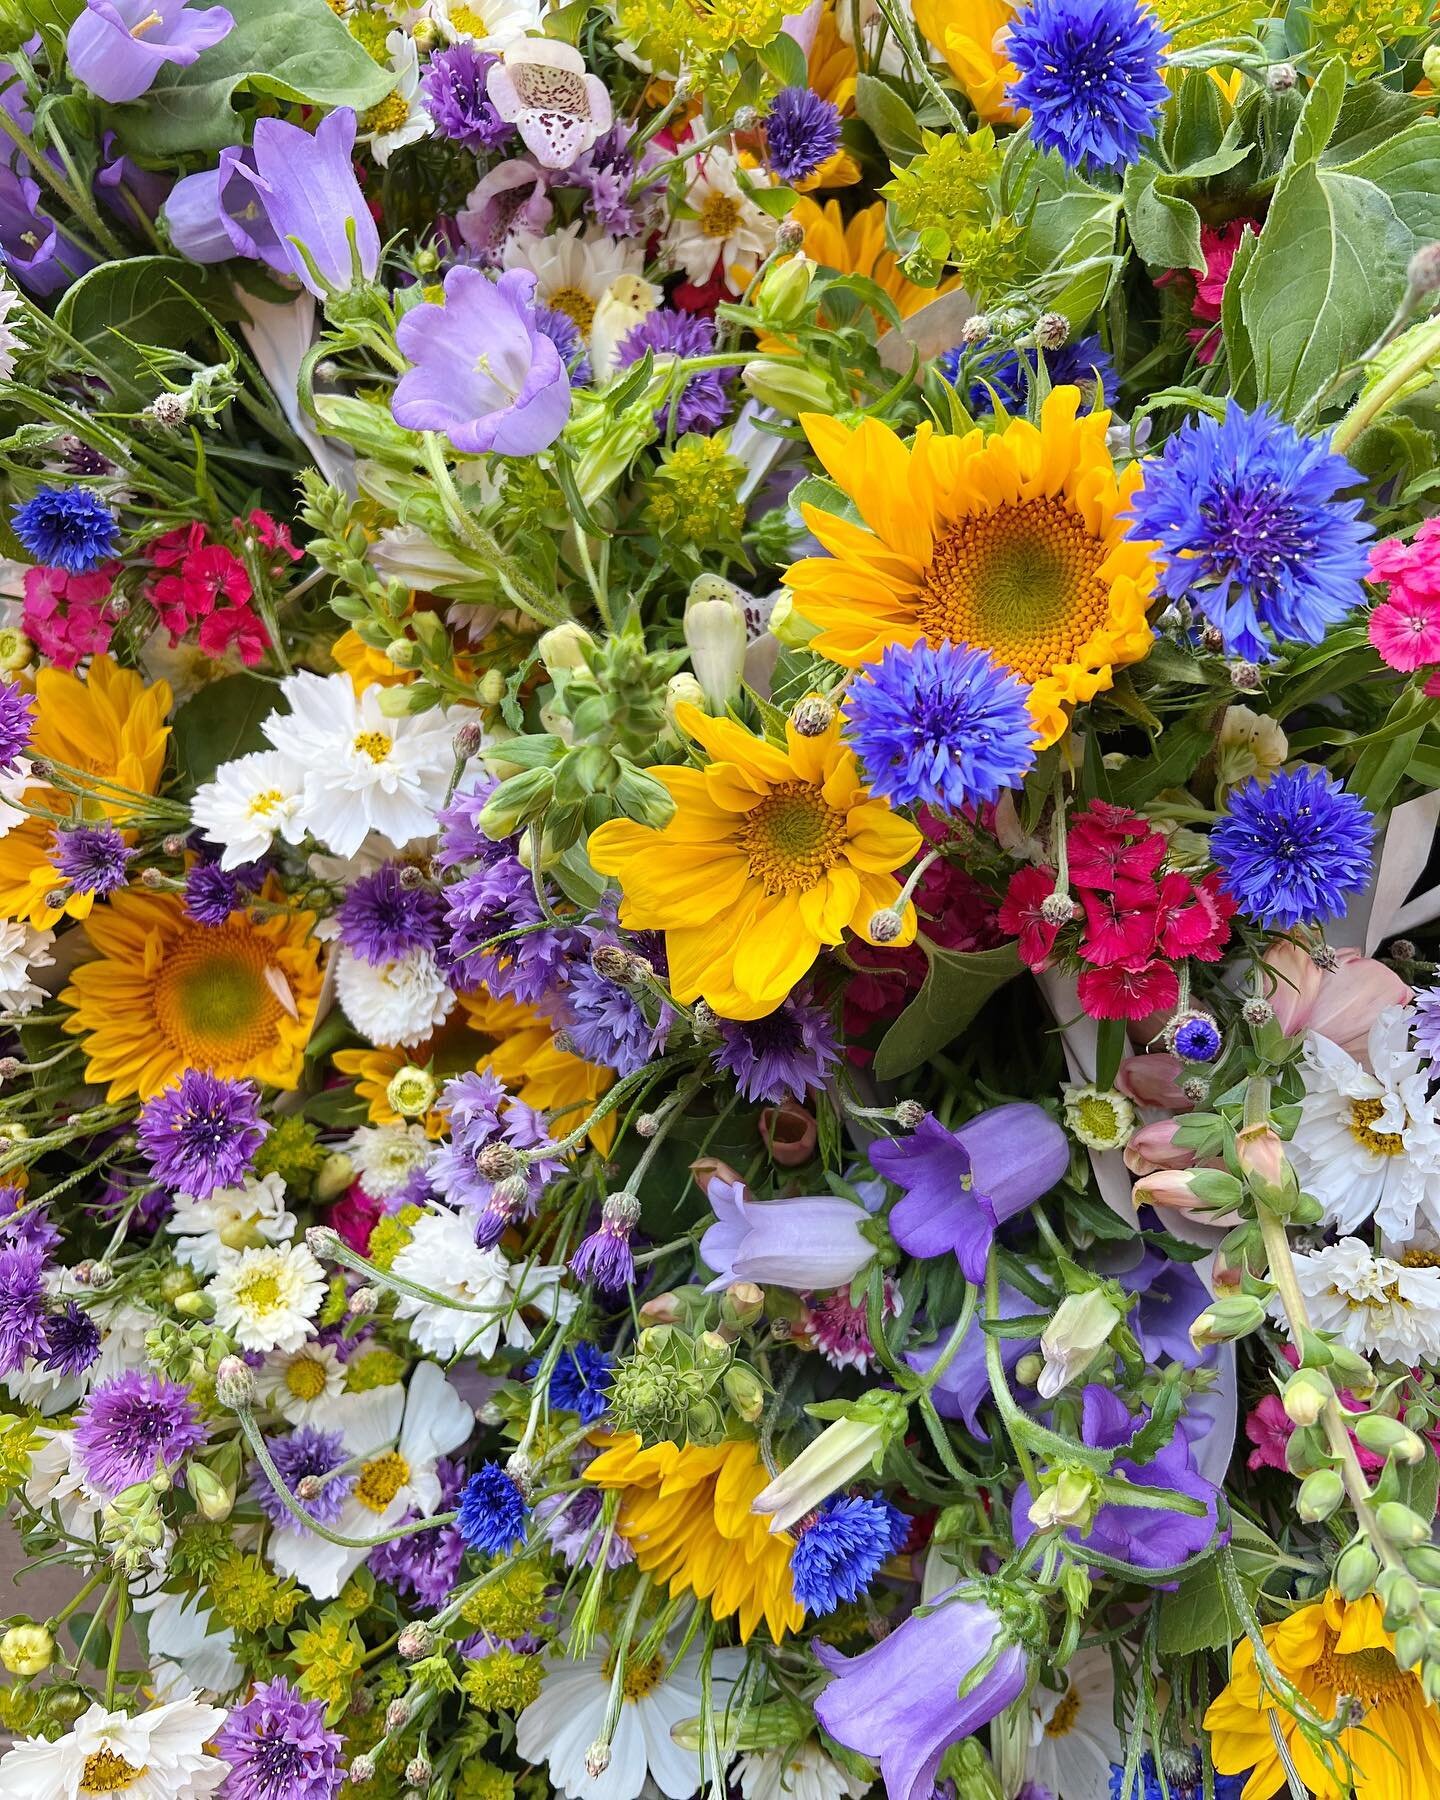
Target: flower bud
[(518, 799), (1401, 1524), (214, 1499), (1320, 1494), (1075, 1336), (715, 636), (1410, 1642), (597, 1759), (788, 386), (834, 1459), (1401, 1595), (787, 626), (362, 1303), (563, 647), (397, 1716), (412, 1091), (1230, 1317), (1423, 1562), (742, 1303), (27, 1650), (642, 798), (782, 299), (1066, 1498), (362, 1770), (418, 1772), (885, 926), (745, 1391), (235, 1385), (415, 1641), (1052, 329), (1306, 1395), (813, 716), (1265, 1166), (909, 1115), (1390, 1437), (333, 1177), (1356, 1570)]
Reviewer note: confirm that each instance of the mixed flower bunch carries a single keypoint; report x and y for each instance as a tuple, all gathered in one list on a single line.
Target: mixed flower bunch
[(719, 919)]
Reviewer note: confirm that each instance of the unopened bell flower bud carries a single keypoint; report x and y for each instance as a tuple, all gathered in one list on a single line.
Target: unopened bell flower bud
[(1075, 1336), (1306, 1395), (784, 292), (1231, 1316), (715, 635), (1384, 1436)]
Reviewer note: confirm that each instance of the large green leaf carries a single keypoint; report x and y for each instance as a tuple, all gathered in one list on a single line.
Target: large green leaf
[(958, 984), (154, 300), (297, 50), (220, 723), (1163, 225), (1199, 1615)]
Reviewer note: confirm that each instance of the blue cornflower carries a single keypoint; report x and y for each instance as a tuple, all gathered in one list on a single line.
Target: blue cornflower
[(840, 1550), (305, 1452), (1290, 851), (1184, 1780), (16, 724), (72, 1341), (1196, 1038), (566, 336), (1089, 73), (93, 859), (703, 404), (492, 1511), (383, 918), (940, 726), (782, 1056), (1250, 531), (579, 1381), (69, 528), (802, 131), (1000, 372), (201, 1133)]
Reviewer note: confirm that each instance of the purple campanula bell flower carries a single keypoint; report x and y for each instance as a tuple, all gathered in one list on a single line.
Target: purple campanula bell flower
[(118, 47), (964, 1387), (217, 214), (31, 248), (898, 1703), (808, 1243), (305, 184), (961, 1186), (123, 186)]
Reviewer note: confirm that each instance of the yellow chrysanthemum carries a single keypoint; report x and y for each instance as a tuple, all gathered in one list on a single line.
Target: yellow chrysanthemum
[(771, 854), (1329, 1650), (969, 35), (1014, 543), (162, 994), (110, 726), (687, 1515), (858, 247)]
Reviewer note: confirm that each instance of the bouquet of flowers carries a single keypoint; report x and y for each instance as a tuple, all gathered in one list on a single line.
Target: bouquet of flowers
[(719, 925)]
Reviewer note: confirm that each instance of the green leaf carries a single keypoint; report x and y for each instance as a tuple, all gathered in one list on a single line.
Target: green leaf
[(1170, 762), (153, 300), (218, 724), (822, 493), (1199, 1615), (958, 984), (1380, 767), (1420, 1486), (888, 116), (295, 50), (1164, 228), (785, 60)]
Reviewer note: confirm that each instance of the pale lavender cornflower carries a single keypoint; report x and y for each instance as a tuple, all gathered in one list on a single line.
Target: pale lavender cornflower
[(92, 859), (604, 1259), (498, 934), (1425, 1027), (131, 1424), (118, 47), (201, 1133), (24, 1311), (572, 1526), (304, 1452), (813, 1241), (278, 1747)]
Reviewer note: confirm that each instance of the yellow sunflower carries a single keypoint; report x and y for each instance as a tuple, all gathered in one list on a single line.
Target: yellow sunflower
[(110, 726), (162, 995), (858, 247), (969, 35), (686, 1514), (1329, 1650), (1014, 543), (770, 855)]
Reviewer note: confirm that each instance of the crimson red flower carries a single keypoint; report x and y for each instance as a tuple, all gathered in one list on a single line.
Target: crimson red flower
[(1021, 916), (1128, 993), (207, 585), (1117, 850), (1194, 920), (272, 535), (1119, 933)]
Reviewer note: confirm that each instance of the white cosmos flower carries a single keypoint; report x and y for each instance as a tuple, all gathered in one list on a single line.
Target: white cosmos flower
[(13, 787), (1369, 1144), (442, 1255), (728, 229), (22, 948), (399, 1002), (235, 1218), (155, 1755), (803, 1774), (266, 1298), (247, 803), (560, 1725), (574, 269), (1073, 1740), (302, 1385), (363, 772), (416, 122), (386, 1156), (400, 1438), (189, 1647), (1375, 1305)]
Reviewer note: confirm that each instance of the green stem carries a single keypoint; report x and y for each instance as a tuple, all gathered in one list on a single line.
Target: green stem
[(1369, 406)]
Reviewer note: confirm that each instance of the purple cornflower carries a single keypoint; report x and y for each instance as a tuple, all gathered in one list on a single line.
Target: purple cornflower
[(605, 1259), (802, 131), (24, 1223), (489, 903), (306, 1451), (211, 893), (702, 404), (200, 1134), (572, 1526), (454, 86), (840, 1548), (383, 919), (93, 859), (1290, 852), (941, 726), (608, 172), (17, 721), (24, 1313), (781, 1056), (1425, 1029), (473, 1105), (69, 528), (492, 1511), (278, 1748), (131, 1423), (425, 1564), (461, 839), (1089, 73), (606, 1023), (74, 1341), (568, 340)]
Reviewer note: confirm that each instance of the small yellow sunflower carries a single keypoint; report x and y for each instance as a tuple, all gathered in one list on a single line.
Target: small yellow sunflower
[(857, 247), (686, 1513), (1329, 1650), (968, 34), (1014, 543), (771, 854), (110, 726), (162, 994)]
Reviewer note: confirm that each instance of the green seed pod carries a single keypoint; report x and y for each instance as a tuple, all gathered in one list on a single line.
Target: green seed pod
[(1356, 1571)]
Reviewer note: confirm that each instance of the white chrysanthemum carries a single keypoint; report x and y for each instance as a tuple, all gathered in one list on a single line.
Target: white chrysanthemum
[(22, 948), (803, 1774), (363, 771), (416, 122), (247, 803), (302, 1385), (728, 229), (398, 1439), (487, 24), (1375, 1305), (574, 269), (398, 1002), (1073, 1740), (386, 1156), (559, 1726), (267, 1298), (235, 1218), (442, 1255), (155, 1755), (1369, 1144), (10, 339)]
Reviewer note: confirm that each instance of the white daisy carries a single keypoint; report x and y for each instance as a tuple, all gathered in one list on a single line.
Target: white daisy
[(487, 24), (1369, 1144), (560, 1725), (574, 269), (302, 1385), (267, 1298), (155, 1755), (247, 803), (400, 1437), (238, 1218), (363, 771), (386, 1156), (1073, 1740), (727, 228), (399, 1002), (1375, 1305), (806, 1773), (22, 948), (399, 127), (442, 1255)]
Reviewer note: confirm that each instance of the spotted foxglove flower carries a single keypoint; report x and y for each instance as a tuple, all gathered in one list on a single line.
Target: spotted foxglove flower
[(541, 87)]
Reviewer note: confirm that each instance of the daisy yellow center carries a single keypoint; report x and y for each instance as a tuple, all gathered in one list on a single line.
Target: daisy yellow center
[(212, 999), (374, 744), (719, 215), (1363, 1114), (792, 838), (1062, 1721), (305, 1378), (642, 1678), (1418, 1258), (260, 1292), (1022, 582), (381, 1480), (576, 305), (265, 803), (468, 19), (107, 1773), (389, 115), (1369, 1675)]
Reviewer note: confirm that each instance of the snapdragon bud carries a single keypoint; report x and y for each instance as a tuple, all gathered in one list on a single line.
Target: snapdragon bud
[(1385, 1436), (1320, 1494), (1306, 1395)]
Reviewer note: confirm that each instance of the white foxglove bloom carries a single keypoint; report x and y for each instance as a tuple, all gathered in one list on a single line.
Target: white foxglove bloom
[(399, 1002), (1376, 1306), (1073, 1740), (727, 227), (238, 1218), (267, 1298), (385, 1157), (302, 1385), (443, 1255), (155, 1755), (22, 948), (1077, 1333), (803, 1774), (248, 803)]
